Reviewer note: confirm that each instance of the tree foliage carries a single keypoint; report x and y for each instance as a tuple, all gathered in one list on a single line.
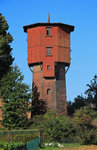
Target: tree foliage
[(89, 100), (83, 118), (92, 92), (79, 102), (5, 48), (38, 106), (58, 127), (15, 97)]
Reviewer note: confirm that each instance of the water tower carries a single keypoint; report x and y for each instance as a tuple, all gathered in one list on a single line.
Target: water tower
[(48, 46)]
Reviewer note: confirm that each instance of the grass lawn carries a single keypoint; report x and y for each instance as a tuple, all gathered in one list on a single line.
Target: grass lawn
[(72, 147)]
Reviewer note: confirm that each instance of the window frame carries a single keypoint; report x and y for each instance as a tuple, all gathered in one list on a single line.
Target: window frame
[(48, 91), (48, 67), (48, 31), (49, 51)]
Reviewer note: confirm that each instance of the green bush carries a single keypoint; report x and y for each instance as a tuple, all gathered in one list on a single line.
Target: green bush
[(25, 137), (61, 128), (37, 122), (12, 146), (58, 127), (18, 136), (88, 137), (85, 130)]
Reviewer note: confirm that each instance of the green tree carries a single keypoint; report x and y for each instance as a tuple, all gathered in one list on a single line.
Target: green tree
[(38, 106), (92, 92), (83, 118), (79, 102), (15, 97), (5, 48)]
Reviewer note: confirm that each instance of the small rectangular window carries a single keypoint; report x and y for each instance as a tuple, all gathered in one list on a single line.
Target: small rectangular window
[(48, 91), (48, 67), (48, 51), (48, 31)]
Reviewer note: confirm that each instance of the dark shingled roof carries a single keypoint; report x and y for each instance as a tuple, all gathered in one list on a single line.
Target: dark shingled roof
[(61, 25)]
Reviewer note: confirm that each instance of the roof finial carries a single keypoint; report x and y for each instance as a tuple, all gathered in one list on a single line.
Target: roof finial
[(48, 17)]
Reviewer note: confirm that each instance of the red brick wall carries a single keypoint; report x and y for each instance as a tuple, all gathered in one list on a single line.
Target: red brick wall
[(63, 46), (56, 100), (43, 84), (37, 43)]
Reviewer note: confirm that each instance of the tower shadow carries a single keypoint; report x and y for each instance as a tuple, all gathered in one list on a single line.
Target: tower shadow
[(38, 106)]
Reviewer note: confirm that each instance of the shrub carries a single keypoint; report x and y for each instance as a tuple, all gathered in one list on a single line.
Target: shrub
[(11, 146), (18, 136), (94, 122), (37, 122), (84, 116), (58, 127), (84, 127)]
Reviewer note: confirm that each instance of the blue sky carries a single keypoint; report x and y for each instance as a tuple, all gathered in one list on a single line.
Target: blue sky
[(80, 13)]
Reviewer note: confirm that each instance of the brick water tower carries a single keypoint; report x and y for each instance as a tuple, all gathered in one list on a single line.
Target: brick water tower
[(49, 55)]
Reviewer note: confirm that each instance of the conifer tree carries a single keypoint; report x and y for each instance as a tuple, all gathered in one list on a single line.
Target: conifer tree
[(5, 48), (15, 97), (38, 105)]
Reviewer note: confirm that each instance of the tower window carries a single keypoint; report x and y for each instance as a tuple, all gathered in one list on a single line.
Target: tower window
[(48, 67), (48, 91), (48, 51), (48, 31)]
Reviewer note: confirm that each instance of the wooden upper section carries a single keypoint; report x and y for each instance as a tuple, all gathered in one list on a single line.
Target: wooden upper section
[(40, 44)]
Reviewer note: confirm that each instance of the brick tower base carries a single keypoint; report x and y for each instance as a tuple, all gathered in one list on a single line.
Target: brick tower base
[(52, 89)]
